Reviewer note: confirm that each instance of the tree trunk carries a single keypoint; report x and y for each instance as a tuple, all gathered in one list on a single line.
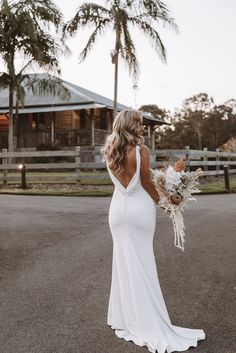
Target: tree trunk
[(10, 128), (16, 125), (117, 47), (11, 94), (53, 127), (199, 139), (115, 89)]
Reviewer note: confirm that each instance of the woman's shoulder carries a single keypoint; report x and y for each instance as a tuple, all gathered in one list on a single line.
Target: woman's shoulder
[(144, 148), (129, 148)]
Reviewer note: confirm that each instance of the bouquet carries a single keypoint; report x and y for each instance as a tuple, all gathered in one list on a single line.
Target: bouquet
[(175, 187)]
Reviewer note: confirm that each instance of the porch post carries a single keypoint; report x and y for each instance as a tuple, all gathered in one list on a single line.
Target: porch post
[(152, 138), (110, 119), (92, 127), (53, 120), (5, 161), (93, 132)]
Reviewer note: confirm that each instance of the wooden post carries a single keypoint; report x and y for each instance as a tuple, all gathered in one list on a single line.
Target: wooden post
[(77, 161), (228, 160), (4, 163), (110, 119), (153, 140), (53, 119), (226, 176), (205, 166), (23, 176), (187, 158), (217, 163), (93, 132), (92, 127)]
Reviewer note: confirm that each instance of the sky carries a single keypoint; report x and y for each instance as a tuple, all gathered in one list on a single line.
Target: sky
[(200, 58)]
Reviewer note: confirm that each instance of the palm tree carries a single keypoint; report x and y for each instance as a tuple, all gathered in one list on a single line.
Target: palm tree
[(24, 30), (119, 15)]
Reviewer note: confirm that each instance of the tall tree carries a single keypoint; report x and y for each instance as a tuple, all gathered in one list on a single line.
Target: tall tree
[(200, 123), (195, 109), (25, 30), (154, 110), (119, 16)]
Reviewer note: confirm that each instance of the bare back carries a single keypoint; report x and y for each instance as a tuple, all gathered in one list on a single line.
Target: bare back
[(129, 164)]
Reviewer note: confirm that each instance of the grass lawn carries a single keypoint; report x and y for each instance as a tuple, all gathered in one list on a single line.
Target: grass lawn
[(217, 184), (96, 183), (52, 192), (87, 178)]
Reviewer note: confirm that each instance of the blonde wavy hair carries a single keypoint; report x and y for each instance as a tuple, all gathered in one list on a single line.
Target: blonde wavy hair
[(127, 130)]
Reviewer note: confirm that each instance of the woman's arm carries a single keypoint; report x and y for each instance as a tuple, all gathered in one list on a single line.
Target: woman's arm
[(145, 174)]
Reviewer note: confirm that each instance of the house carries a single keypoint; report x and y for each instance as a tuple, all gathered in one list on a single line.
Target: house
[(85, 118)]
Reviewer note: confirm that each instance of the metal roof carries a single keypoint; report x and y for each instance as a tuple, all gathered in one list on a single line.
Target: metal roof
[(154, 120), (80, 98), (108, 103), (58, 108), (78, 95)]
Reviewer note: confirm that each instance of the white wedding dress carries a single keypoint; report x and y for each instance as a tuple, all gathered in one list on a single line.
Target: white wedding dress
[(136, 309)]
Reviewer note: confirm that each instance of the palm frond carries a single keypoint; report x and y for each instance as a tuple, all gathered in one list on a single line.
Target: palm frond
[(151, 34), (51, 85), (45, 11), (20, 96), (88, 13), (44, 49), (154, 10), (100, 28), (4, 80), (128, 52)]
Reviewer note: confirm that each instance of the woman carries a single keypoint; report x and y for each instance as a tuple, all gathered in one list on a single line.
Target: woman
[(136, 309)]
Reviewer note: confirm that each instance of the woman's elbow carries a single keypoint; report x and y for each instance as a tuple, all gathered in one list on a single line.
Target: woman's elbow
[(146, 184)]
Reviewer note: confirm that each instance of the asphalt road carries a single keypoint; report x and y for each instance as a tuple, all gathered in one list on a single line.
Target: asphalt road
[(55, 261)]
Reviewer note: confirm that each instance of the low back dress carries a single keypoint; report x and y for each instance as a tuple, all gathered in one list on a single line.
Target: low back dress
[(136, 310)]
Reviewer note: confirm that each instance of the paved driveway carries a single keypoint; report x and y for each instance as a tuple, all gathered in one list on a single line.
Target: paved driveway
[(55, 261)]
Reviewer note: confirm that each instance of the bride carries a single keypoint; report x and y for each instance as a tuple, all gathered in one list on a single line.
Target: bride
[(137, 310)]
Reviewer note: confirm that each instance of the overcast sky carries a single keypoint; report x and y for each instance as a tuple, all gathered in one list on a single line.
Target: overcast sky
[(201, 58)]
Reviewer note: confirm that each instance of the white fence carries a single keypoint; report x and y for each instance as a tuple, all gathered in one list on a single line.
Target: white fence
[(211, 162)]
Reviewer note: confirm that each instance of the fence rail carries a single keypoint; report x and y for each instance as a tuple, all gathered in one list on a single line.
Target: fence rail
[(211, 162)]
